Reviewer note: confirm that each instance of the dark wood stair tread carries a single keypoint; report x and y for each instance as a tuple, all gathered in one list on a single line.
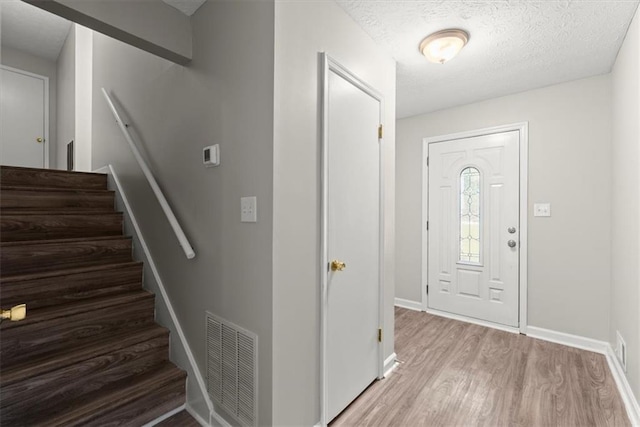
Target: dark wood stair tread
[(51, 225), (4, 187), (89, 352), (67, 271), (52, 361), (64, 310), (62, 241), (33, 256), (26, 177), (89, 409)]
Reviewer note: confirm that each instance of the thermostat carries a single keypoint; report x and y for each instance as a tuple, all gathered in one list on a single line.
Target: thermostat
[(211, 155)]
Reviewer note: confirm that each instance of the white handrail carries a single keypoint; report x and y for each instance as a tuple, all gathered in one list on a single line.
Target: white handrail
[(182, 238)]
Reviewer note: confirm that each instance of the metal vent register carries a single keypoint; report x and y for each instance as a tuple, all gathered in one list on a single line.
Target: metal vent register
[(232, 371)]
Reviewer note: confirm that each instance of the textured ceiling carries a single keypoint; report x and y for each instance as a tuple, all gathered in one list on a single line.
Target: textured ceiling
[(188, 7), (32, 30), (514, 45)]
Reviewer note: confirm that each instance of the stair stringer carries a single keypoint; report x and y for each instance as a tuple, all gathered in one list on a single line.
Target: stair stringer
[(198, 403)]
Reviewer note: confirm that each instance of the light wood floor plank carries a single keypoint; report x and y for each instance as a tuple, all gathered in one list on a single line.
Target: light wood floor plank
[(460, 374)]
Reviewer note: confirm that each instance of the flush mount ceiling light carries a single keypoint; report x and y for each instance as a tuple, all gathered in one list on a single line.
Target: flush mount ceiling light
[(443, 45)]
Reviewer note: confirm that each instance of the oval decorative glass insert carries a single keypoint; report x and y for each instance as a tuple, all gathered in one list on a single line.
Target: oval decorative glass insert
[(470, 215)]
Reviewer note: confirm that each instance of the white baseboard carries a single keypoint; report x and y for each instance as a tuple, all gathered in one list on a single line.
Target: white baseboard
[(197, 416), (474, 321), (568, 339), (630, 402), (408, 304), (390, 364), (217, 420), (596, 346)]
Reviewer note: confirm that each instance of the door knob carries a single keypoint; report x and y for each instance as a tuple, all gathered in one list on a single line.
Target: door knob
[(19, 312), (512, 243), (511, 230), (39, 139), (337, 265)]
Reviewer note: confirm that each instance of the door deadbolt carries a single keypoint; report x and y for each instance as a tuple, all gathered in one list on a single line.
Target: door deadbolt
[(337, 265), (512, 243), (511, 230)]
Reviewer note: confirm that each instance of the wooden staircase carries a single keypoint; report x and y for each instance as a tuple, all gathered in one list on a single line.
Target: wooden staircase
[(89, 352)]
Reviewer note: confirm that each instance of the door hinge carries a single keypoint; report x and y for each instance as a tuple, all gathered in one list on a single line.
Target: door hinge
[(427, 225), (427, 160), (427, 289), (380, 132), (379, 334)]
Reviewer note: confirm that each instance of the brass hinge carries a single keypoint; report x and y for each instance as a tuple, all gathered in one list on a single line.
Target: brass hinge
[(379, 334), (380, 132)]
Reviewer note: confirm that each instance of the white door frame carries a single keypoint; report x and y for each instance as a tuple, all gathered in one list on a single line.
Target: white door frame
[(523, 129), (328, 64), (46, 107)]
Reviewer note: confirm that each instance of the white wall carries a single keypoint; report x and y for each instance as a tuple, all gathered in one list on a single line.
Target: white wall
[(625, 207), (37, 65), (569, 166), (224, 96), (66, 106), (303, 29)]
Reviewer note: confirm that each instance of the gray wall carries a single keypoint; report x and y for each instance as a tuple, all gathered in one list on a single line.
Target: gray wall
[(569, 166), (224, 96), (151, 25), (34, 64), (302, 30), (66, 78), (625, 208)]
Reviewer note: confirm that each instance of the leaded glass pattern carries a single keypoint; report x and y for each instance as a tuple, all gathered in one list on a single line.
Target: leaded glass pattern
[(470, 215)]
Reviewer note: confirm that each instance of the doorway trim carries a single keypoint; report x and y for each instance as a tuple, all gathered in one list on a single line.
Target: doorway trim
[(47, 141), (523, 129), (327, 65)]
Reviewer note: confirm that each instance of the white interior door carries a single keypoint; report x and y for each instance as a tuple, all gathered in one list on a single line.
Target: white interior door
[(473, 247), (353, 238), (23, 100)]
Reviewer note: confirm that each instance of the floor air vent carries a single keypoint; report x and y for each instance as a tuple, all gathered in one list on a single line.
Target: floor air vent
[(232, 371)]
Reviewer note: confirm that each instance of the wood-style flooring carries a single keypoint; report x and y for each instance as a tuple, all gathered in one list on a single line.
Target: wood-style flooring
[(459, 374)]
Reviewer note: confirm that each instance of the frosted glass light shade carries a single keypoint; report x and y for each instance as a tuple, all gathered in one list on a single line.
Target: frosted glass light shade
[(440, 47)]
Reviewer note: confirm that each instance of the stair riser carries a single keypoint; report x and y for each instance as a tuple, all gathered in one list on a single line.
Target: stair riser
[(33, 258), (54, 290), (51, 178), (24, 342), (14, 199), (15, 228), (82, 378)]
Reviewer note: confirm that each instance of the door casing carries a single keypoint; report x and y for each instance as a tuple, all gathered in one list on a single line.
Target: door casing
[(523, 129), (327, 65), (46, 107)]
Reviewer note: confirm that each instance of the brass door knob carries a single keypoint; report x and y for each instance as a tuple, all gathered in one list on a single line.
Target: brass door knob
[(337, 265), (19, 312), (39, 139)]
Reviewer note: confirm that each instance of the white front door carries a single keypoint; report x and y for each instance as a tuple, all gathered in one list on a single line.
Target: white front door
[(474, 227), (353, 238), (22, 123)]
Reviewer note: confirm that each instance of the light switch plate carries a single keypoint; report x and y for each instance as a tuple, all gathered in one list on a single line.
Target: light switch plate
[(248, 212), (542, 209)]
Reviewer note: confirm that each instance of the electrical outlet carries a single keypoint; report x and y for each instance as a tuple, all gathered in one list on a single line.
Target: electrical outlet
[(248, 209), (621, 350)]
